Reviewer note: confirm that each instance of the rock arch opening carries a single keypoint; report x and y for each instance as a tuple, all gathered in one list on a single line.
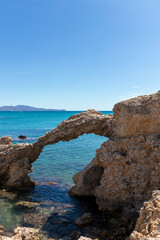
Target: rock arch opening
[(16, 160)]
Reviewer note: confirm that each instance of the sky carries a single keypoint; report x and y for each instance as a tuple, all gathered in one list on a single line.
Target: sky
[(78, 54)]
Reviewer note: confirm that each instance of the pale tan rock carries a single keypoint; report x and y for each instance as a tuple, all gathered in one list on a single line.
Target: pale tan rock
[(27, 233), (84, 238), (148, 223), (23, 233), (131, 171), (85, 219), (137, 116), (15, 163)]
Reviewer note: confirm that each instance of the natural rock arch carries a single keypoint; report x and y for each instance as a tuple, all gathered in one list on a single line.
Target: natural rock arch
[(16, 160), (126, 167)]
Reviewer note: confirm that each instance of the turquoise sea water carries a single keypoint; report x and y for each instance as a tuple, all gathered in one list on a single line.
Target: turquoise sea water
[(57, 163)]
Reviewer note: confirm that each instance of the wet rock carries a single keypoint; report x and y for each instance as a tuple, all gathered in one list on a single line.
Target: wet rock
[(47, 183), (36, 220), (3, 230), (27, 204), (22, 137), (74, 234), (9, 195), (85, 219)]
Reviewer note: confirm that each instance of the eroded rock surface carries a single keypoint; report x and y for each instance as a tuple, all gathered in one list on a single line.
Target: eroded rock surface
[(131, 171), (15, 163), (148, 223), (137, 116), (23, 233)]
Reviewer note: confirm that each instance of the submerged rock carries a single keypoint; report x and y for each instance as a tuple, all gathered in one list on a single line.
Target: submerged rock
[(3, 230), (9, 195), (22, 137), (85, 219), (27, 204), (36, 220)]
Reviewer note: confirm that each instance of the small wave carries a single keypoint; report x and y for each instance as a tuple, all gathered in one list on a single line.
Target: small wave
[(16, 139)]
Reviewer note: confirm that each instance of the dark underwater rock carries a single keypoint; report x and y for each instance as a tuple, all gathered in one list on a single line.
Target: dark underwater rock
[(22, 137)]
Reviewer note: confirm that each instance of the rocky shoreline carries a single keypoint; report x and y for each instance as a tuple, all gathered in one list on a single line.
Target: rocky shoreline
[(125, 171)]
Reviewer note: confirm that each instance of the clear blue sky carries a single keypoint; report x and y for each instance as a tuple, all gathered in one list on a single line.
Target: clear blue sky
[(78, 54)]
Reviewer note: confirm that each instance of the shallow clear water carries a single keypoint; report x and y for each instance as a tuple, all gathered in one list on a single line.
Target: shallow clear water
[(56, 164)]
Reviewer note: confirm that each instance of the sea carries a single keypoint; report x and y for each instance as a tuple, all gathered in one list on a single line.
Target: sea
[(48, 206)]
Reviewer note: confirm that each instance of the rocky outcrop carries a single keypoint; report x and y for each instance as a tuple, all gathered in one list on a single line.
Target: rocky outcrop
[(137, 116), (15, 163), (148, 223), (128, 170), (125, 169)]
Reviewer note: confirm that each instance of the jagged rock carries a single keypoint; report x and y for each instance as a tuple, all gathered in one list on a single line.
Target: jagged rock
[(131, 169), (23, 233), (85, 219), (15, 163), (131, 172), (147, 226)]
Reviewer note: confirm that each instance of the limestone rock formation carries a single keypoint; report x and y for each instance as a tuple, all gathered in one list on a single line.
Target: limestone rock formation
[(16, 160), (148, 223), (15, 163), (126, 168), (137, 116)]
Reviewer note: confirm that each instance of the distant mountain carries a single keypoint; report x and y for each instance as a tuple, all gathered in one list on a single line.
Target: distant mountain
[(25, 108)]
